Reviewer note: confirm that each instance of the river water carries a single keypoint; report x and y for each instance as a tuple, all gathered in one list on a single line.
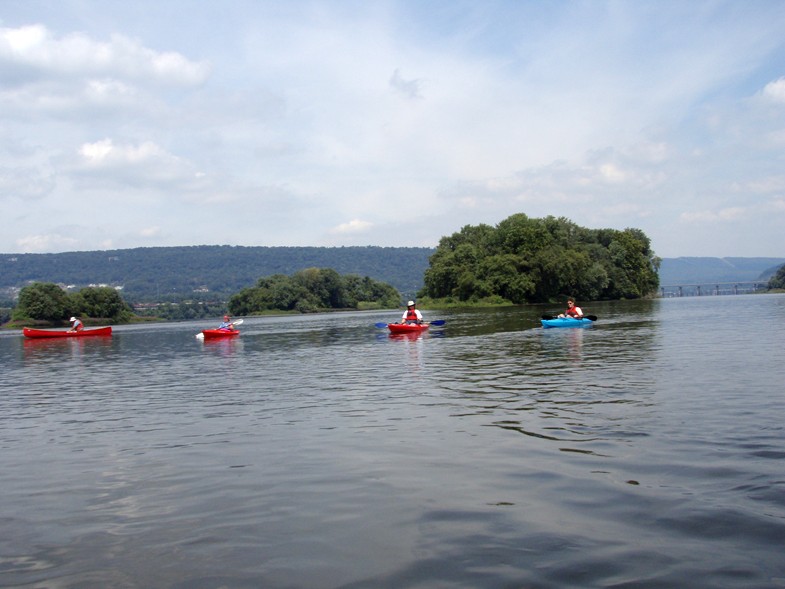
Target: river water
[(647, 450)]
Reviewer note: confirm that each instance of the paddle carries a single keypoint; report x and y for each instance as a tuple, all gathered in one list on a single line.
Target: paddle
[(200, 335), (589, 317), (437, 322)]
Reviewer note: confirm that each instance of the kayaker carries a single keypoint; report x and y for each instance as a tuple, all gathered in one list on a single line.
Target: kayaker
[(227, 323), (77, 325), (411, 315), (572, 310)]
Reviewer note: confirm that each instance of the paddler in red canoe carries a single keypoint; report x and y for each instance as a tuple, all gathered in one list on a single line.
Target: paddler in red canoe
[(411, 315), (77, 325)]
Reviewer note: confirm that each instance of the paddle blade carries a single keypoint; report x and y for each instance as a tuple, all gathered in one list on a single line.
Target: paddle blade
[(381, 325), (438, 322), (546, 317)]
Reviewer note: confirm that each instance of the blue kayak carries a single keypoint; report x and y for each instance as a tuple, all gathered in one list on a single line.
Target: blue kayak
[(566, 322)]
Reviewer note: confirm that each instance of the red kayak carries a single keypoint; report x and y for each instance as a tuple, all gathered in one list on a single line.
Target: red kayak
[(216, 333), (407, 328), (39, 333)]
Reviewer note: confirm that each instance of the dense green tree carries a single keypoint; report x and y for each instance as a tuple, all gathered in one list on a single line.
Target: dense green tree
[(778, 280), (43, 301), (248, 301), (504, 275), (538, 260), (313, 289), (101, 302)]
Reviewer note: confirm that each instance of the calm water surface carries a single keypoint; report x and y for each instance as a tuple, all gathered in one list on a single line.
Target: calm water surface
[(647, 450)]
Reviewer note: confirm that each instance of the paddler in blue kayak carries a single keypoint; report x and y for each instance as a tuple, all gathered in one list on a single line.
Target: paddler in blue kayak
[(227, 324), (572, 310), (411, 315)]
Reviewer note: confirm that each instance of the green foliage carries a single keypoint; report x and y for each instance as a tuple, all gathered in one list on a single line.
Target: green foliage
[(45, 301), (313, 289), (101, 302), (539, 260), (778, 280)]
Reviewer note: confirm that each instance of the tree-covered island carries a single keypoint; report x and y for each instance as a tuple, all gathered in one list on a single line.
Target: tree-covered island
[(48, 302), (312, 290), (527, 260)]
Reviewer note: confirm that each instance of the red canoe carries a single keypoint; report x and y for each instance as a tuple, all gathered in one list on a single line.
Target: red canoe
[(407, 328), (216, 333), (30, 332)]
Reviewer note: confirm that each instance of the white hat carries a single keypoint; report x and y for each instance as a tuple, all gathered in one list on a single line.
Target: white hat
[(72, 319), (410, 304)]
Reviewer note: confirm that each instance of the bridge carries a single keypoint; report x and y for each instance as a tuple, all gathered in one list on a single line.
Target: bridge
[(711, 288)]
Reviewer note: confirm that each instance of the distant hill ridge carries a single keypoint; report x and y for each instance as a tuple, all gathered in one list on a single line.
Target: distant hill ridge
[(699, 270), (211, 272)]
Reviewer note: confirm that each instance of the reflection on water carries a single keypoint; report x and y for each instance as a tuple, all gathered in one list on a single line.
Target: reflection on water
[(53, 349), (319, 451)]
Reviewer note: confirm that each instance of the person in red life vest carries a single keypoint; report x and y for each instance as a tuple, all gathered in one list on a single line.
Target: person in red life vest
[(77, 325), (411, 315), (572, 310)]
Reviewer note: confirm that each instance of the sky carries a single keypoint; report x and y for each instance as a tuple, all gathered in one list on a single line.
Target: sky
[(390, 123)]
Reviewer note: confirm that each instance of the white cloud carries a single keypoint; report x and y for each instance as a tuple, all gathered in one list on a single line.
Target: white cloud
[(775, 91), (353, 226), (150, 231), (762, 185), (46, 243), (721, 215), (104, 152), (108, 91), (105, 164), (35, 47), (612, 173)]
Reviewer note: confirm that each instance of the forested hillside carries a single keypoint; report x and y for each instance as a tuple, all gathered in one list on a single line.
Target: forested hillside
[(208, 272)]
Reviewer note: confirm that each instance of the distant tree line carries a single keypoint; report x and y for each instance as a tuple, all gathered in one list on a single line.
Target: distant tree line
[(314, 289), (306, 291), (46, 301), (527, 260)]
